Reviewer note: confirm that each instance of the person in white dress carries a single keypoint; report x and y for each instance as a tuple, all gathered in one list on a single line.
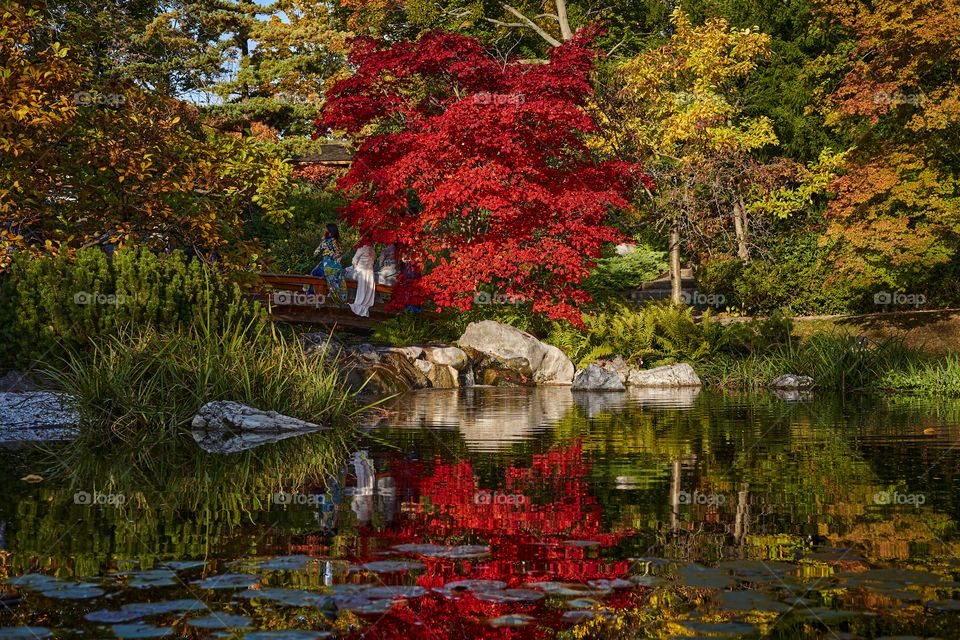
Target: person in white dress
[(363, 261)]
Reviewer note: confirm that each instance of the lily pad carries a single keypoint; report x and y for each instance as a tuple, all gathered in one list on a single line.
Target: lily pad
[(830, 615), (24, 633), (281, 563), (582, 603), (568, 588), (475, 585), (693, 575), (166, 606), (347, 588), (511, 620), (140, 631), (394, 591), (752, 568), (362, 605), (509, 595), (292, 597), (469, 551), (422, 549), (74, 591), (112, 617), (389, 566), (750, 601), (152, 578), (33, 581), (593, 613), (221, 621), (616, 583), (228, 581), (445, 551)]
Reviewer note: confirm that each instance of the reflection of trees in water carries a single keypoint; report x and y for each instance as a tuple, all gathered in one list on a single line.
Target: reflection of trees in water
[(789, 473), (178, 502), (805, 469)]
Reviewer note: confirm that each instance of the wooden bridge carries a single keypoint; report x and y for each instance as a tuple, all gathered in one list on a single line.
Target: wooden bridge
[(288, 298)]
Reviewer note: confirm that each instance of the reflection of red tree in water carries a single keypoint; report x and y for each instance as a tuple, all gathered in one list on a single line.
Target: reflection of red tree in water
[(527, 540), (553, 495)]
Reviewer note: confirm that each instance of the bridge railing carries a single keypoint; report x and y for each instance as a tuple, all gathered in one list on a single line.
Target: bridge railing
[(280, 283)]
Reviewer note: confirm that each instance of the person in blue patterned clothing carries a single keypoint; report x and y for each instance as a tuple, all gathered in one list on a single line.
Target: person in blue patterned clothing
[(330, 251)]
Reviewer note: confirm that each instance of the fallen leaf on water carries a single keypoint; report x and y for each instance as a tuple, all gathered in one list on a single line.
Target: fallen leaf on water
[(32, 478)]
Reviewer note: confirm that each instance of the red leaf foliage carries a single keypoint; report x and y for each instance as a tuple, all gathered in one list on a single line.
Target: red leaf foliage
[(479, 169)]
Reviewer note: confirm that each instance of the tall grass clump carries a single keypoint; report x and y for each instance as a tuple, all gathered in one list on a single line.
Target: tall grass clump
[(146, 384), (834, 360), (935, 378)]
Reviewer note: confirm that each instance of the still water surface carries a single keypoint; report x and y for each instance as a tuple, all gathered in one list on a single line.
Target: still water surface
[(514, 513)]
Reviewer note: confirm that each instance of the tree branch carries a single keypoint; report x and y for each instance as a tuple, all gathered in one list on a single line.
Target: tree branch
[(527, 22)]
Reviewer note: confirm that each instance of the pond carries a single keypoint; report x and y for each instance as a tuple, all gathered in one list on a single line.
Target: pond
[(512, 513)]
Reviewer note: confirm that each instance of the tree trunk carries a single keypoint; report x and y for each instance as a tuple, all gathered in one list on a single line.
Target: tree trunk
[(565, 32), (246, 128), (740, 226), (676, 286)]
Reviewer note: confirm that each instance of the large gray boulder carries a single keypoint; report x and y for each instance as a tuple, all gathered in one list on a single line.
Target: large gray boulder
[(227, 415), (593, 378), (671, 375), (447, 356), (517, 350), (790, 382)]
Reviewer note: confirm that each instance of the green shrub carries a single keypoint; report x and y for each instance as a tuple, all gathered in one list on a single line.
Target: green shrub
[(55, 303), (795, 276), (933, 378), (756, 335), (657, 332), (613, 273)]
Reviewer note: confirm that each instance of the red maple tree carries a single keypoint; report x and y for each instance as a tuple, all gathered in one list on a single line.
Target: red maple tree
[(479, 169)]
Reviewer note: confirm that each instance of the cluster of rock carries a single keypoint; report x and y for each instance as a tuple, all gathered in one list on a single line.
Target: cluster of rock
[(488, 353)]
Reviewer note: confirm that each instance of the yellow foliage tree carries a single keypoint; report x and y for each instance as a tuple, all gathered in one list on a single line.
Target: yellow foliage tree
[(680, 110), (115, 165)]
